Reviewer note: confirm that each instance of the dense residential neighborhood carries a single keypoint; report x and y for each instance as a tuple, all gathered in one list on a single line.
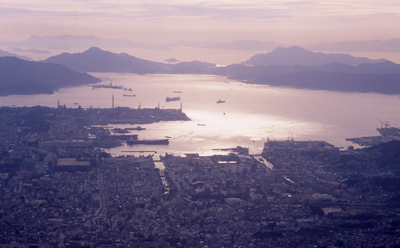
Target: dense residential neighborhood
[(60, 189)]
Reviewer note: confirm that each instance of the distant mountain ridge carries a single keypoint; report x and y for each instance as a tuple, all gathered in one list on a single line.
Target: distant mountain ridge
[(391, 46), (28, 77), (70, 41), (296, 55), (66, 42), (233, 45), (5, 54)]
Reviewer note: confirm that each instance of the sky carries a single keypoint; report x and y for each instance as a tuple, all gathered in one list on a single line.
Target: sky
[(160, 21)]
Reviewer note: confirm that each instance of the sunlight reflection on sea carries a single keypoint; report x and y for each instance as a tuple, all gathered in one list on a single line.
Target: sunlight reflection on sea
[(250, 115)]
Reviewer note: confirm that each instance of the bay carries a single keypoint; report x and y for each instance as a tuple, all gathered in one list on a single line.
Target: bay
[(250, 115)]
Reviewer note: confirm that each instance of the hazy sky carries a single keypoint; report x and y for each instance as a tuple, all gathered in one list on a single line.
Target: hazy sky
[(157, 21)]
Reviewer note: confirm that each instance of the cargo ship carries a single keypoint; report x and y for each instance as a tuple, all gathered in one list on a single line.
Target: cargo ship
[(107, 86), (148, 142), (169, 99), (110, 86), (119, 130), (220, 101), (138, 128)]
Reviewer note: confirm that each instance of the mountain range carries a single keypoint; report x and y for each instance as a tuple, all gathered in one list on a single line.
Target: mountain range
[(288, 67), (19, 76), (389, 46), (285, 60)]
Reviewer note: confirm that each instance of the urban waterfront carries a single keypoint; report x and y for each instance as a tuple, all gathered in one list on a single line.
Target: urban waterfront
[(249, 116)]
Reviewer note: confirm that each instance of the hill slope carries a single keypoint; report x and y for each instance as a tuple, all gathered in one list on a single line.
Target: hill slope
[(97, 60), (28, 77), (378, 77)]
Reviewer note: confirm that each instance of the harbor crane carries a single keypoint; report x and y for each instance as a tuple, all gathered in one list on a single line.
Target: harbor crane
[(384, 124)]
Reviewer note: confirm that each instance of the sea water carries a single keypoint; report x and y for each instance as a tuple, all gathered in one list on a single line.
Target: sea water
[(250, 115)]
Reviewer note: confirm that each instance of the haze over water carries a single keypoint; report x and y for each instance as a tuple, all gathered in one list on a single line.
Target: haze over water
[(250, 115)]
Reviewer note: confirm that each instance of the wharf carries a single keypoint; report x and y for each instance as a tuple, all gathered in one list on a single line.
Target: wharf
[(372, 140)]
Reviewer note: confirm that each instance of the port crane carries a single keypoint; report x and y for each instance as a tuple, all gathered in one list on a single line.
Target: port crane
[(384, 124)]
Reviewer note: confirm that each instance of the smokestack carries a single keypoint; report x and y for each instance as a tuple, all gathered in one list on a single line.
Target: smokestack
[(112, 101)]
